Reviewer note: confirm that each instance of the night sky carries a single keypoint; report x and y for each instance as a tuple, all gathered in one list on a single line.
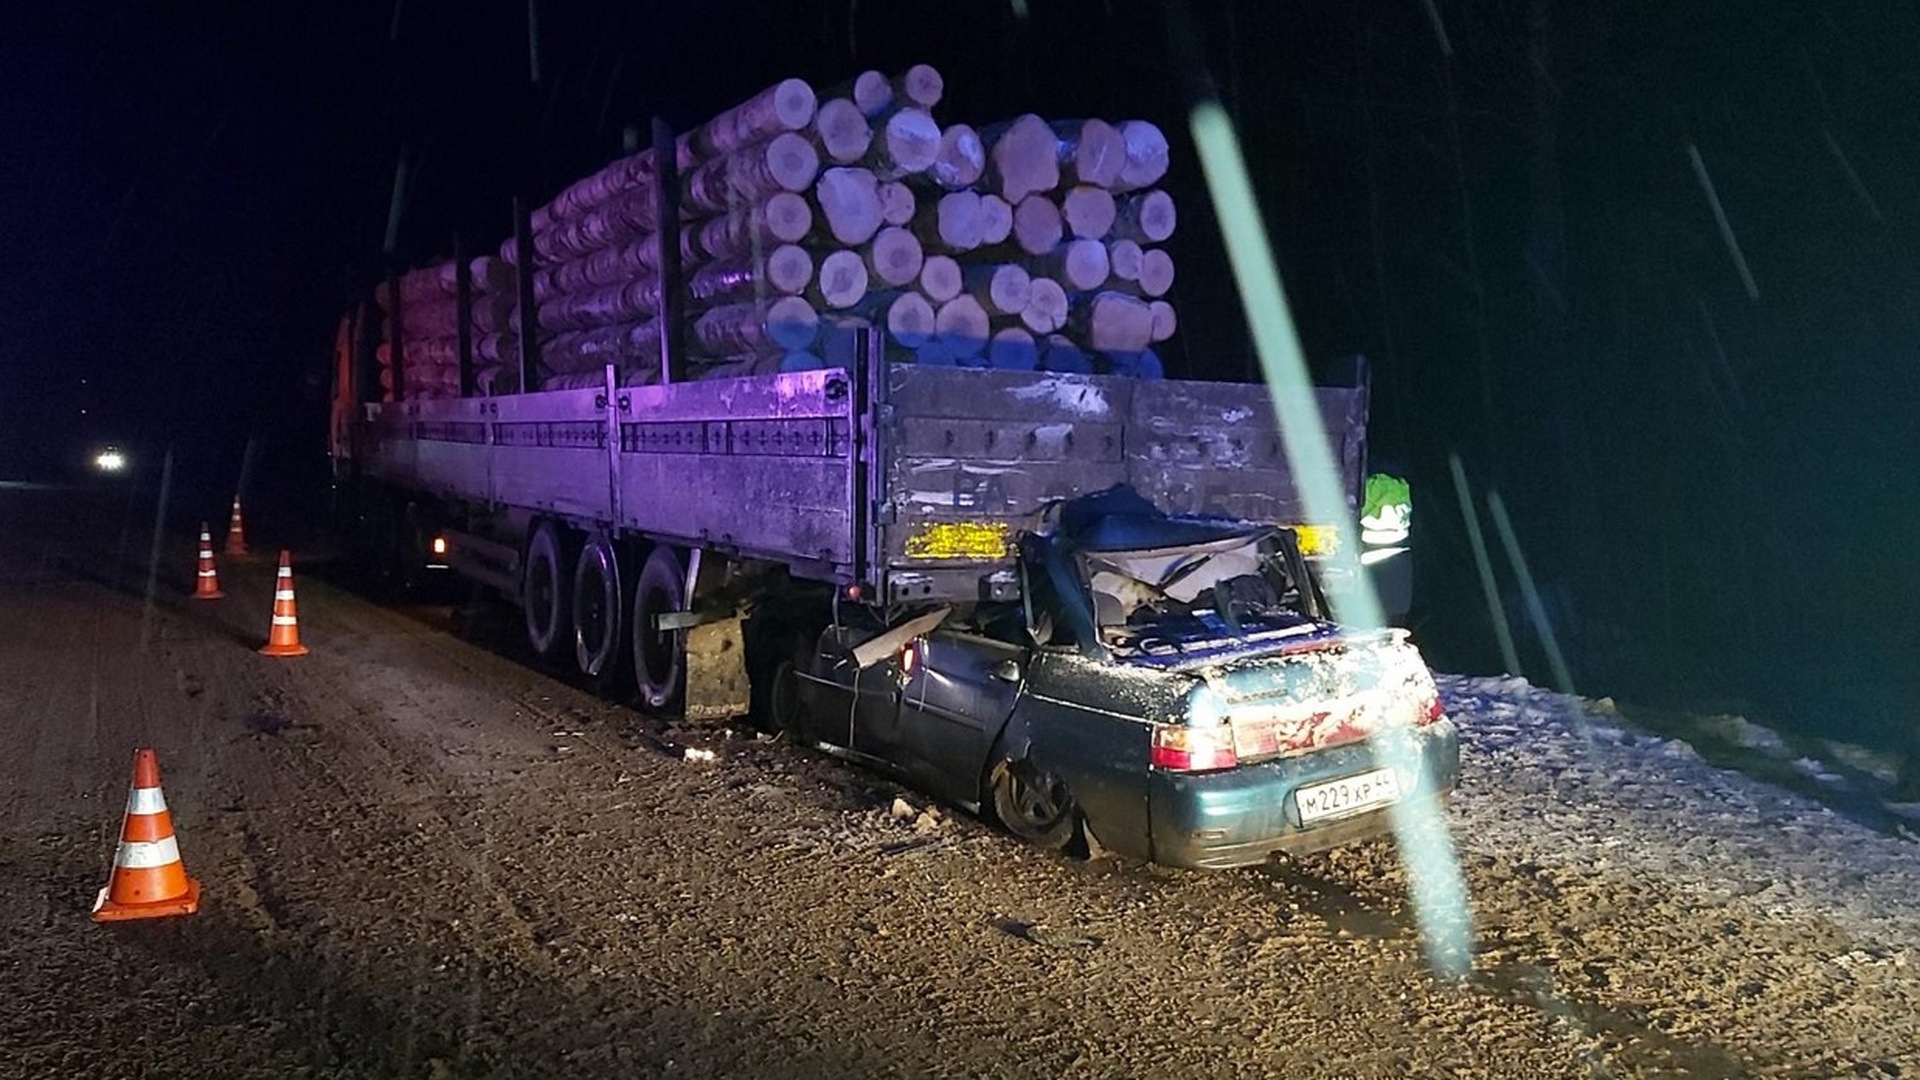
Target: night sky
[(1501, 211)]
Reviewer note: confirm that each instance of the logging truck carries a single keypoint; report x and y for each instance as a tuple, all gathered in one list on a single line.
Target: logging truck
[(1088, 604)]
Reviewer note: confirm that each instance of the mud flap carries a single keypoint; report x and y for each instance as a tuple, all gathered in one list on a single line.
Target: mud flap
[(716, 670)]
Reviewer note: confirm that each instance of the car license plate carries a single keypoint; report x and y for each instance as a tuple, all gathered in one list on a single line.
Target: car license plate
[(1350, 795)]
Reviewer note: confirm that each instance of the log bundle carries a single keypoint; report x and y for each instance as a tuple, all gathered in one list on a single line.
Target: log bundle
[(1028, 244)]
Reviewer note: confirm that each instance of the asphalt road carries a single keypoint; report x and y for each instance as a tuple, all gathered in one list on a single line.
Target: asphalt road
[(423, 857)]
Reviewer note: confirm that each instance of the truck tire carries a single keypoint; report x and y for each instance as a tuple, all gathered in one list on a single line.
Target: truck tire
[(545, 591), (599, 612), (659, 659)]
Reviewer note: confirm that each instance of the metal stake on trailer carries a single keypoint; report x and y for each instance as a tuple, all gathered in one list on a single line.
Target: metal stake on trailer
[(463, 302), (667, 192), (396, 343), (529, 315)]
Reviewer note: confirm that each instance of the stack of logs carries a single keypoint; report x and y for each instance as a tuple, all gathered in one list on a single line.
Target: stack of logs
[(430, 328), (1022, 245)]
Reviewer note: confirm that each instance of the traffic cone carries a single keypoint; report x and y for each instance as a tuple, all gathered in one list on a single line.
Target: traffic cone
[(208, 587), (148, 879), (284, 638), (236, 532)]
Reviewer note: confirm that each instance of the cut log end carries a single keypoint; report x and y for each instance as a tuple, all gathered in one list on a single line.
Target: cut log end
[(792, 322), (895, 256), (788, 216), (1005, 289), (1123, 257), (1037, 227), (922, 85), (849, 200), (961, 160), (940, 278), (962, 326), (843, 131), (910, 143), (1046, 309), (1025, 159), (873, 92), (1146, 155), (789, 269), (996, 219), (910, 320), (1148, 217), (1164, 320), (1088, 211), (1013, 349), (1156, 272), (842, 279), (897, 203)]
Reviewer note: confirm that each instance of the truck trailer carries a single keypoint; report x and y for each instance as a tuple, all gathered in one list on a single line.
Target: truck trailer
[(1091, 606)]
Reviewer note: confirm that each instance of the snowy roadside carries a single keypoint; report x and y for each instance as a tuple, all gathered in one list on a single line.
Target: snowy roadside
[(1614, 797)]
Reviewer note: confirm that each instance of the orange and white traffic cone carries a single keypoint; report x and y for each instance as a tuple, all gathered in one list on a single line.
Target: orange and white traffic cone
[(148, 879), (236, 532), (208, 587), (284, 638)]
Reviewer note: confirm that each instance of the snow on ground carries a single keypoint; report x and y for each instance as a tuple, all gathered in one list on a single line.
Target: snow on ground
[(1616, 797)]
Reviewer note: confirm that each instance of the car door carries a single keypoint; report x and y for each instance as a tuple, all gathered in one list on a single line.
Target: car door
[(955, 698), (854, 706)]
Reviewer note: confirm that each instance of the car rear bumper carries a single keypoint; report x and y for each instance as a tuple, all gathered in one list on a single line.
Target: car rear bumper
[(1238, 817)]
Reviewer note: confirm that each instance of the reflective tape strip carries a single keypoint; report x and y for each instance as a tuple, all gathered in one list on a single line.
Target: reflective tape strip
[(138, 856), (284, 620), (146, 800), (206, 553), (209, 573), (283, 594)]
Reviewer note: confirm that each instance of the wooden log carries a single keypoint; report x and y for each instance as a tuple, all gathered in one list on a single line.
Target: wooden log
[(996, 220), (1111, 322), (894, 256), (940, 278), (787, 162), (1092, 152), (951, 223), (587, 351), (1164, 321), (920, 84), (1037, 227), (897, 204), (1013, 349), (849, 201), (1023, 159), (785, 217), (841, 280), (909, 319), (781, 108), (961, 160), (1004, 288), (1088, 211), (1156, 272), (786, 270), (907, 144), (593, 190), (961, 325), (760, 329), (1146, 155), (631, 215), (1063, 355), (636, 300), (1146, 218), (1079, 265), (873, 92), (1123, 256), (842, 131), (499, 348), (1047, 307)]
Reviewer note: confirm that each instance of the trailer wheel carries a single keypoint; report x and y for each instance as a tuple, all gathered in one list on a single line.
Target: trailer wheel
[(659, 658), (599, 612), (544, 592)]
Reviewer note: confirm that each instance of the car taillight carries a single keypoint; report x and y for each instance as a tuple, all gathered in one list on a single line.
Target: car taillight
[(1179, 748), (1429, 707)]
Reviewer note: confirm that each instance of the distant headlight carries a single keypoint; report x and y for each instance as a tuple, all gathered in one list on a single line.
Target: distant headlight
[(110, 461)]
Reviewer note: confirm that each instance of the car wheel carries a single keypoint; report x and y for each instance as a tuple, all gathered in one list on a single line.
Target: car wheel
[(1034, 805)]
